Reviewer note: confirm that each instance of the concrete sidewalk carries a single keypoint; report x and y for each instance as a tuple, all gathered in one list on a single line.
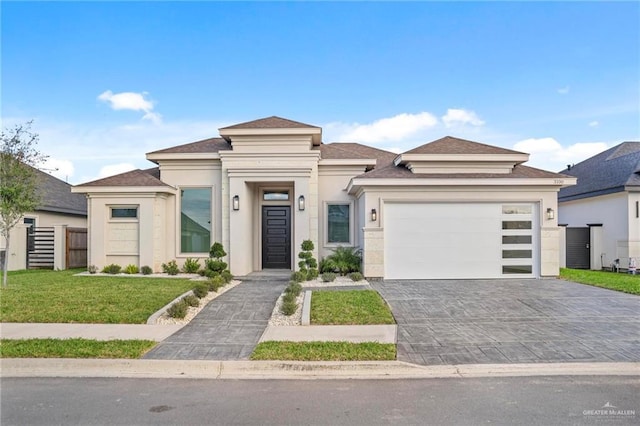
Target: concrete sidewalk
[(87, 331), (291, 370)]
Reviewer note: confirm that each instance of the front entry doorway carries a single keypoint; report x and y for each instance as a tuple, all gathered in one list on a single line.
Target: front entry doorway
[(276, 237)]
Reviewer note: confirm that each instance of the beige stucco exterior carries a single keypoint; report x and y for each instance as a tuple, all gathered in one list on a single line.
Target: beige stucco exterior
[(290, 159)]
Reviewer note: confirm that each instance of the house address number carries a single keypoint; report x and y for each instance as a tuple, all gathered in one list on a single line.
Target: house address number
[(558, 181)]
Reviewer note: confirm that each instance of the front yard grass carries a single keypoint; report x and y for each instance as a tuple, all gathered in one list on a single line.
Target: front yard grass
[(61, 297), (73, 348), (349, 307), (324, 351), (614, 281)]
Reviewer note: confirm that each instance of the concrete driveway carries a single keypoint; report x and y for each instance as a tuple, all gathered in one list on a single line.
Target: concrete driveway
[(511, 321)]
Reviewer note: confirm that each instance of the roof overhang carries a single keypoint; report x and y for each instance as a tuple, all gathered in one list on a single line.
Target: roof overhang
[(358, 183), (347, 162), (116, 190), (156, 157), (460, 163), (314, 132)]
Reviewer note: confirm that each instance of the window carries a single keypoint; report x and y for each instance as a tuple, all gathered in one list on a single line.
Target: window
[(516, 239), (195, 220), (338, 218), (275, 196), (516, 224), (124, 212), (517, 269), (524, 209)]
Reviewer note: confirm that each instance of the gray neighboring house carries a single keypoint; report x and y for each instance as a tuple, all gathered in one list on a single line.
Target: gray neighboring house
[(602, 212), (59, 206)]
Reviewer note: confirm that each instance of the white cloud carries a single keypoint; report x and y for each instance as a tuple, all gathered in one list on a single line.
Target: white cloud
[(549, 154), (131, 101), (594, 124), (455, 117), (564, 90), (394, 128), (114, 169)]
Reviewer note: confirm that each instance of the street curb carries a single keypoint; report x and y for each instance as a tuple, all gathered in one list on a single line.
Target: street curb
[(294, 370)]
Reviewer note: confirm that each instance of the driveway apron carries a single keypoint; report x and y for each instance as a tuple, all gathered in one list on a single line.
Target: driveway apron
[(512, 321), (229, 327)]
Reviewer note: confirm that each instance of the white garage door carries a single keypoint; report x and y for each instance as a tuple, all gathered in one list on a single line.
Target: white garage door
[(458, 240)]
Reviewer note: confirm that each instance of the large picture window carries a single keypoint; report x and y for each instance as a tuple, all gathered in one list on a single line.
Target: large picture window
[(338, 226), (195, 220)]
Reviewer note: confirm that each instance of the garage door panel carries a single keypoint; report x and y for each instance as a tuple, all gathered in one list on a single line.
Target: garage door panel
[(444, 240)]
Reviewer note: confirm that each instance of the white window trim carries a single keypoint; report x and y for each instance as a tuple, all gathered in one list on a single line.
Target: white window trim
[(124, 219), (325, 209), (180, 253)]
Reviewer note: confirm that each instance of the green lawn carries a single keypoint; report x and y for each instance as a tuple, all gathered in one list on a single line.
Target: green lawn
[(614, 281), (324, 351), (351, 307), (59, 296), (74, 348)]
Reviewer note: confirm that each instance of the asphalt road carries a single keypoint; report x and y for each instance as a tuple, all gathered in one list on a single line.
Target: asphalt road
[(496, 401)]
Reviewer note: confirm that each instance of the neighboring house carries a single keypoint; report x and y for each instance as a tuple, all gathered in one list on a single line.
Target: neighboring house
[(602, 212), (448, 209), (58, 206)]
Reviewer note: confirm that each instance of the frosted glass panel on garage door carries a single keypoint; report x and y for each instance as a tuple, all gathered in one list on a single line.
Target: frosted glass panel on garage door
[(442, 240)]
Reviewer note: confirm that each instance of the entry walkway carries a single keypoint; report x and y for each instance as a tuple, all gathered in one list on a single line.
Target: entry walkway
[(230, 326)]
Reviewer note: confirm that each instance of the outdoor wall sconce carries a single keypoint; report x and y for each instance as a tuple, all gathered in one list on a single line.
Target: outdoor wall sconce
[(550, 214), (374, 215), (301, 203), (236, 203)]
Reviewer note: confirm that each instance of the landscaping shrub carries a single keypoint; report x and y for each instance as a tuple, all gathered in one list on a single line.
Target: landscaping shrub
[(92, 269), (210, 274), (294, 288), (201, 290), (178, 309), (191, 266), (312, 274), (217, 251), (131, 269), (356, 276), (328, 277), (170, 268), (299, 276), (343, 260), (227, 276), (215, 283), (112, 269), (191, 300), (288, 297), (307, 261), (216, 265), (146, 270), (202, 272), (289, 308)]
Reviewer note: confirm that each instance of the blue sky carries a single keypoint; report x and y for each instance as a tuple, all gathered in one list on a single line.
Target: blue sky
[(108, 82)]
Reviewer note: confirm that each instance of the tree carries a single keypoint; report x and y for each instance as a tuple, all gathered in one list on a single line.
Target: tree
[(19, 185)]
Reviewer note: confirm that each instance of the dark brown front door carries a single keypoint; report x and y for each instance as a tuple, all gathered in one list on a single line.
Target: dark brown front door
[(276, 237)]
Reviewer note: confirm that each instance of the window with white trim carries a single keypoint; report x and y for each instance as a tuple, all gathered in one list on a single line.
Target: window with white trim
[(195, 220), (339, 223)]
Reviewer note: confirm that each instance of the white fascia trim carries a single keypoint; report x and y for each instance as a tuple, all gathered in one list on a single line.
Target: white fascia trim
[(183, 156), (354, 184), (314, 132), (128, 190), (515, 158)]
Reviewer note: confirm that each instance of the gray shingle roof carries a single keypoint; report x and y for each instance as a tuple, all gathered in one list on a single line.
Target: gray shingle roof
[(349, 150), (605, 173), (58, 198), (451, 145), (272, 122), (203, 146), (148, 177)]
